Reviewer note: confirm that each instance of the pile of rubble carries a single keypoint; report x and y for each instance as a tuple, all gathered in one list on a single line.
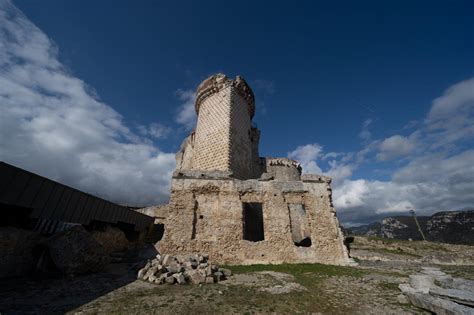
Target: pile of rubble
[(182, 269), (440, 293)]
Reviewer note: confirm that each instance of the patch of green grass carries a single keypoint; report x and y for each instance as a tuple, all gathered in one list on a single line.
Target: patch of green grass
[(298, 269), (435, 246), (308, 275), (386, 240), (357, 260)]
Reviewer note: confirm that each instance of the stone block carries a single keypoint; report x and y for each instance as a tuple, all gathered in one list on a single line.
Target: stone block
[(170, 280), (141, 273), (226, 272), (437, 305), (218, 276), (179, 278), (421, 283), (209, 280), (458, 296), (174, 267), (166, 259), (195, 277), (187, 265)]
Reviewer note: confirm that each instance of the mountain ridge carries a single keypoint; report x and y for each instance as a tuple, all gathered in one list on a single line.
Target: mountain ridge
[(454, 227)]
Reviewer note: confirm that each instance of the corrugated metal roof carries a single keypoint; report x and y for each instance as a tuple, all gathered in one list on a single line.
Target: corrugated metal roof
[(51, 200)]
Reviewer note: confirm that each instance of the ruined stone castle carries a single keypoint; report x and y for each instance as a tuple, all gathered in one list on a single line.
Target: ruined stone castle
[(241, 208)]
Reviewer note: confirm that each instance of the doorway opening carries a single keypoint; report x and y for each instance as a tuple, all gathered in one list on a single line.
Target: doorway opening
[(253, 221)]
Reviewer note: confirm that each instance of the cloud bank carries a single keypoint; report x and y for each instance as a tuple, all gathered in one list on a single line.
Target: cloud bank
[(433, 166), (53, 124), (186, 116)]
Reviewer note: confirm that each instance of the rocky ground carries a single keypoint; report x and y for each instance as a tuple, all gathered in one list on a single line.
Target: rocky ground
[(370, 288)]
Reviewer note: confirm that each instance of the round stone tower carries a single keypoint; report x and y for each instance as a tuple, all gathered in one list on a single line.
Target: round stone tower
[(225, 139)]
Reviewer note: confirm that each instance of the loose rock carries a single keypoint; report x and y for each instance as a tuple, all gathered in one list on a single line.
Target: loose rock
[(194, 269)]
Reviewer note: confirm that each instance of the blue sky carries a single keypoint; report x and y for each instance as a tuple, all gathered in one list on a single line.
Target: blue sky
[(368, 92)]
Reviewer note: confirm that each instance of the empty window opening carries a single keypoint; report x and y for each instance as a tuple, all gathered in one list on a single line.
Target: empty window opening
[(300, 231), (305, 242), (193, 233), (253, 221)]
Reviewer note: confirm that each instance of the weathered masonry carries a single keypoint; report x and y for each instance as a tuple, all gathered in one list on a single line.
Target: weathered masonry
[(238, 207)]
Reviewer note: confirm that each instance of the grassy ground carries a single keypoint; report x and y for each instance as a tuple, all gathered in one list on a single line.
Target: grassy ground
[(329, 290), (301, 269), (370, 288)]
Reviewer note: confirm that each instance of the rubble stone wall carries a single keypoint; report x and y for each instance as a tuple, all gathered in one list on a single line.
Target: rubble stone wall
[(184, 157), (206, 216), (112, 239), (16, 251)]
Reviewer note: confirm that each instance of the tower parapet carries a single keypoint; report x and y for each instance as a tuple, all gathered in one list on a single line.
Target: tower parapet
[(220, 81)]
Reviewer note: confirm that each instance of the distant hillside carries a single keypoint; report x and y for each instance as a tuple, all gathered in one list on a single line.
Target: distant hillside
[(455, 227)]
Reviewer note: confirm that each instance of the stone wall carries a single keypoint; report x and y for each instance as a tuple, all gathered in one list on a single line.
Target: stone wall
[(17, 257), (212, 138), (224, 139), (283, 169), (184, 157), (206, 216), (218, 206), (255, 156), (241, 160), (111, 239)]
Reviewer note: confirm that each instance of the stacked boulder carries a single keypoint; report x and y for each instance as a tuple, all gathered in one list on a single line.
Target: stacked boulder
[(439, 292), (193, 268)]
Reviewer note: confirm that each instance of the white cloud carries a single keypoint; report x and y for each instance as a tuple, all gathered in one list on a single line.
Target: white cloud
[(457, 100), (365, 135), (437, 167), (351, 194), (311, 155), (186, 112), (307, 156), (451, 116), (52, 123), (362, 200), (394, 147), (155, 130), (339, 171), (438, 170)]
